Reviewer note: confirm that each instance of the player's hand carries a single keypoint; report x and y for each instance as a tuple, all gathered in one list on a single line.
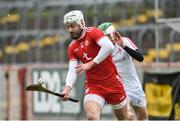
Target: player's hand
[(84, 67), (119, 39), (66, 92)]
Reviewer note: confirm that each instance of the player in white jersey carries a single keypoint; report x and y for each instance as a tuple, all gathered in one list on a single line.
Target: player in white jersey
[(123, 53)]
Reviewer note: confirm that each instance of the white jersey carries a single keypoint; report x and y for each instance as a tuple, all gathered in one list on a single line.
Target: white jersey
[(124, 64)]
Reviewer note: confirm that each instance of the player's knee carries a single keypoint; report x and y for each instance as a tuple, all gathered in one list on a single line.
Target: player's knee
[(92, 116)]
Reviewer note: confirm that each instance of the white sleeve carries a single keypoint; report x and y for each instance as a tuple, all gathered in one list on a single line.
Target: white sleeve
[(105, 50), (129, 43), (71, 75)]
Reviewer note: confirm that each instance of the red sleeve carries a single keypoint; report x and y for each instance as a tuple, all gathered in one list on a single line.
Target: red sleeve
[(71, 54), (96, 34)]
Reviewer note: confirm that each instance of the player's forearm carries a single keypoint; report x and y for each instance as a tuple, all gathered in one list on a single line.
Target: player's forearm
[(105, 50), (71, 75), (67, 89), (136, 54), (92, 63)]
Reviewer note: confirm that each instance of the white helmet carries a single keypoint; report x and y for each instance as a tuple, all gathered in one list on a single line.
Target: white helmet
[(74, 16)]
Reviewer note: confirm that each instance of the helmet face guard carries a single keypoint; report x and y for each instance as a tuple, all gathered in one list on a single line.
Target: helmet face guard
[(74, 16)]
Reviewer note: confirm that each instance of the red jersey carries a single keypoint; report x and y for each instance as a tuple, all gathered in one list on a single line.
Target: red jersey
[(86, 49)]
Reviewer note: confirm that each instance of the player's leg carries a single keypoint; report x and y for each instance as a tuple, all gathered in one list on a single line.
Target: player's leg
[(121, 110), (138, 102), (116, 96), (118, 101), (131, 115), (93, 105), (141, 113)]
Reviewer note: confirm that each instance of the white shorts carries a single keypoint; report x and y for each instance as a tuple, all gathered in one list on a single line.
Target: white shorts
[(136, 96), (95, 98), (101, 101)]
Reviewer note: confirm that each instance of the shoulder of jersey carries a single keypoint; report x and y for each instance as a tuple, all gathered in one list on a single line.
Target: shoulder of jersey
[(90, 29), (126, 38), (72, 43)]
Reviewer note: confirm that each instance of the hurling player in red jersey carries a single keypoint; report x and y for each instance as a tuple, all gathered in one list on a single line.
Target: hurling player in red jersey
[(90, 52)]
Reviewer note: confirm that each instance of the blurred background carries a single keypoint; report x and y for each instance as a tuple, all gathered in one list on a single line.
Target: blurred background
[(33, 44)]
